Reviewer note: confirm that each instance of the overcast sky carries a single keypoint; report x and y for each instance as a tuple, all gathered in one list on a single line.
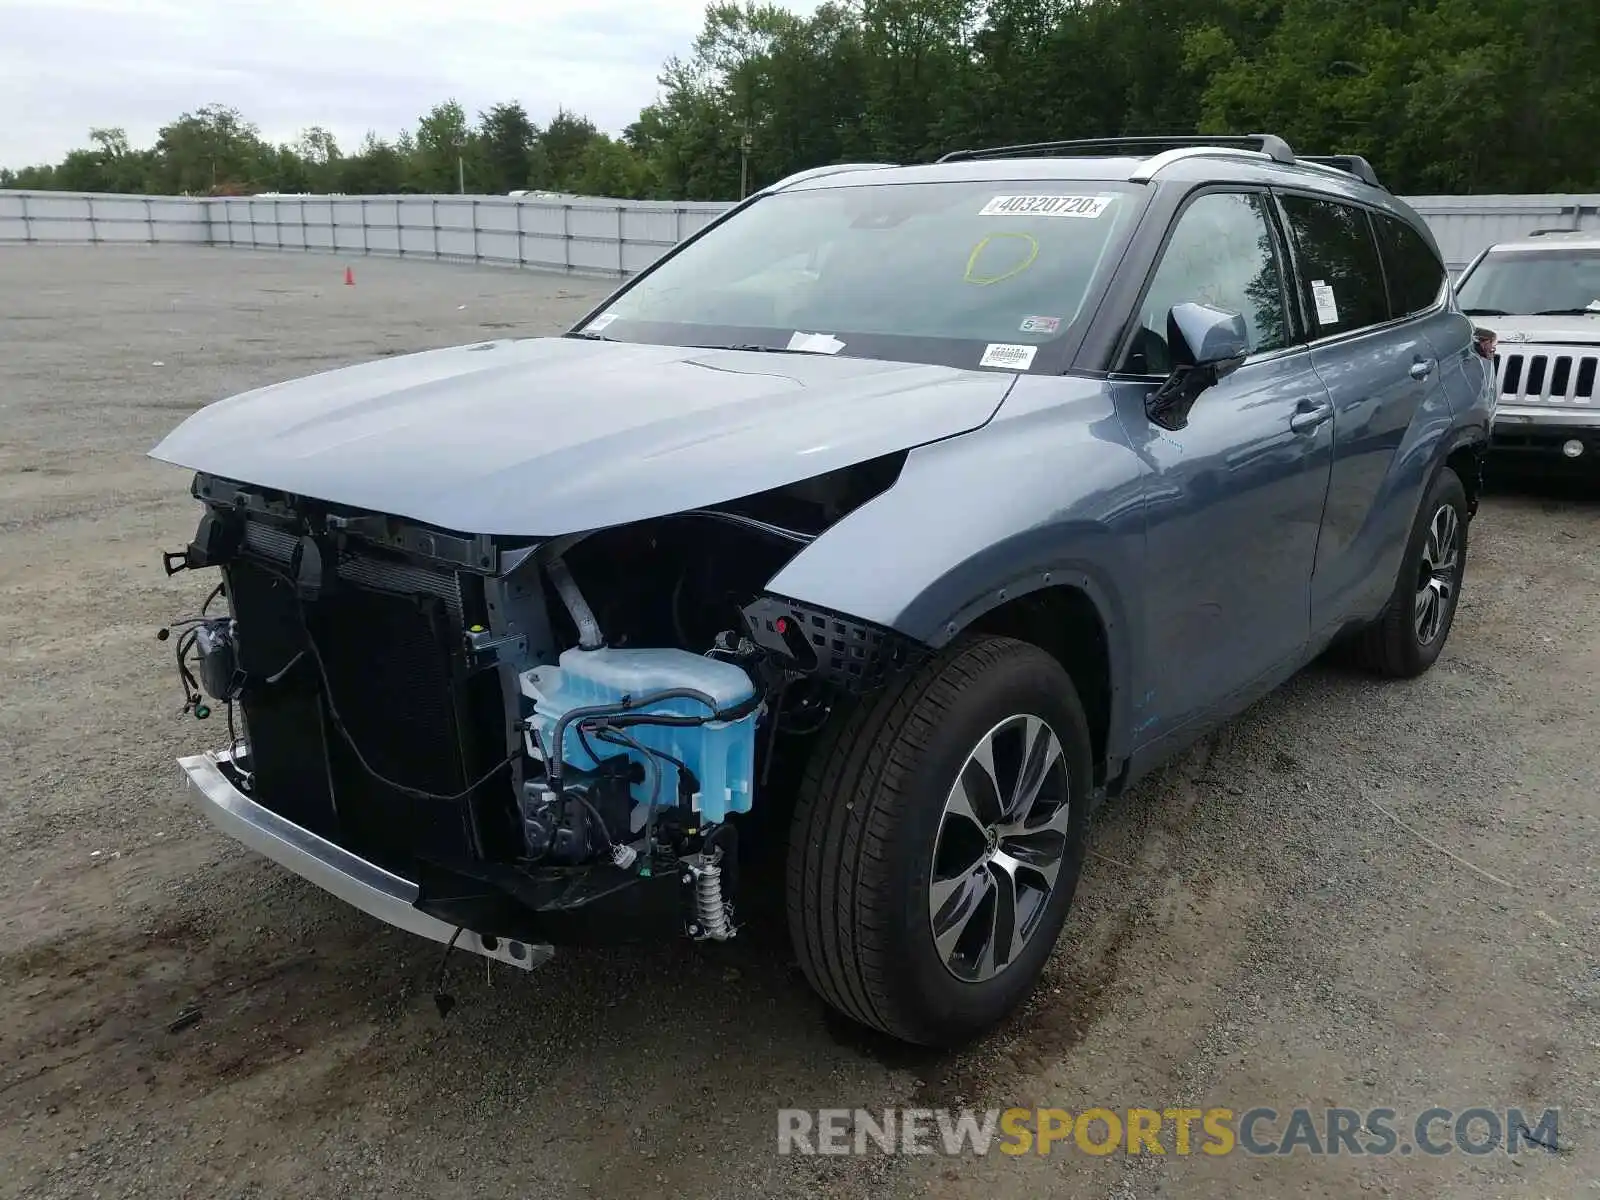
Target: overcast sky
[(349, 65)]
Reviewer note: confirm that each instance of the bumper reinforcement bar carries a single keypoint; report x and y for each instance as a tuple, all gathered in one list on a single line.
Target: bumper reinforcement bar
[(375, 891)]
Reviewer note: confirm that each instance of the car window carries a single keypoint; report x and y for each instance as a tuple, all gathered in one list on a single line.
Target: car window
[(968, 274), (1413, 270), (1526, 282), (1340, 271), (1221, 253)]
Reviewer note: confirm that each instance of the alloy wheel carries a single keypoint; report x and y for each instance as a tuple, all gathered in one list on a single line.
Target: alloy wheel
[(1438, 575), (1001, 844)]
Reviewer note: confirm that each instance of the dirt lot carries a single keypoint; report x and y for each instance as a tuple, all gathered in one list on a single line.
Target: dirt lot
[(1252, 930)]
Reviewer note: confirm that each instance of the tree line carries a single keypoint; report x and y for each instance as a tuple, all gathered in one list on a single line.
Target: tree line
[(1441, 95)]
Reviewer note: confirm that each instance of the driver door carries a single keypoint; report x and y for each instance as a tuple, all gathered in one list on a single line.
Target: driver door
[(1236, 497)]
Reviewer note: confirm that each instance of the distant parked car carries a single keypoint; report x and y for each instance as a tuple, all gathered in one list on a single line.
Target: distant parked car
[(967, 494), (1541, 294)]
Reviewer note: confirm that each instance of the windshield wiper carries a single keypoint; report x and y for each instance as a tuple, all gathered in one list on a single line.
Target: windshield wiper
[(1591, 311), (757, 349), (591, 337), (1486, 312)]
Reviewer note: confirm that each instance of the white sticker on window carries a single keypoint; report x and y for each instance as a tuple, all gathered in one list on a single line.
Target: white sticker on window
[(1327, 306), (816, 343), (1040, 324), (1013, 358), (1046, 206), (600, 322)]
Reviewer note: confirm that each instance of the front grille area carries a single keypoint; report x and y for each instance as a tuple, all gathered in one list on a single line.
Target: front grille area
[(1553, 375), (385, 574), (389, 634)]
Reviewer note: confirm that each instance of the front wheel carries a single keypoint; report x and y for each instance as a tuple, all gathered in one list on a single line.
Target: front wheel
[(1410, 635), (937, 842)]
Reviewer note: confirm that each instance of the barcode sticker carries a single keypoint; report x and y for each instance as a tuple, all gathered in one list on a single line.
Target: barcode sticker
[(1046, 206), (1012, 358)]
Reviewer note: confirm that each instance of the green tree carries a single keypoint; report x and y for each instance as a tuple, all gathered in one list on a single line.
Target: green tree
[(562, 146), (507, 138), (376, 169), (444, 143), (213, 148), (611, 168), (1442, 95)]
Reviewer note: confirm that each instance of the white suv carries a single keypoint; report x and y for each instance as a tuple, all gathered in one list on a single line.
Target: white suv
[(1542, 293)]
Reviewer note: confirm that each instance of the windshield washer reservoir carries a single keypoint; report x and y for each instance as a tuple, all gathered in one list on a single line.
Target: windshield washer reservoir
[(721, 754)]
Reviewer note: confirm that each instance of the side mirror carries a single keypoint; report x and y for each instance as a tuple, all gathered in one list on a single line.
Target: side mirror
[(1207, 344)]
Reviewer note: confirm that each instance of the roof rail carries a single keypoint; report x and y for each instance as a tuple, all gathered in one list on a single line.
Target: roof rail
[(822, 172), (1272, 146), (1559, 229), (1350, 164), (1151, 167)]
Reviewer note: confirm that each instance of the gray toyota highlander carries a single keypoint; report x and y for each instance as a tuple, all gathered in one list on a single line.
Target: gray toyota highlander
[(888, 525)]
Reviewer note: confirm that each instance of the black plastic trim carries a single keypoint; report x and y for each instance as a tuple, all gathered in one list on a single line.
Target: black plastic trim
[(854, 655)]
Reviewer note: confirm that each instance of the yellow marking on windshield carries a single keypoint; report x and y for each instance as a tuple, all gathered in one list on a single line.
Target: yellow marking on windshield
[(977, 251)]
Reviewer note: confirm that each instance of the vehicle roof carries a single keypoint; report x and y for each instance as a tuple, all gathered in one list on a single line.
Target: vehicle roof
[(1222, 165), (1588, 239)]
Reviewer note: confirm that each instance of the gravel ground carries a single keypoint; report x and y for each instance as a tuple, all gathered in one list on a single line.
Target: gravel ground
[(1253, 930)]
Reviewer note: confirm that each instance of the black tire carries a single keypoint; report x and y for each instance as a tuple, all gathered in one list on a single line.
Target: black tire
[(1394, 646), (866, 826)]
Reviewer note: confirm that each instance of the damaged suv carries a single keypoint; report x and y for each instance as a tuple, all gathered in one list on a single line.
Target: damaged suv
[(922, 507)]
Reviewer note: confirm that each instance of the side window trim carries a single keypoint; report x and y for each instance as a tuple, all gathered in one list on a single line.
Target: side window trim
[(1395, 224), (1294, 277), (1303, 283), (1392, 299), (1386, 251), (1131, 327), (1293, 313)]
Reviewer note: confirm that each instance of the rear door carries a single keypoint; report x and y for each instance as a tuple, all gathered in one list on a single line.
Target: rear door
[(1382, 372), (1419, 290)]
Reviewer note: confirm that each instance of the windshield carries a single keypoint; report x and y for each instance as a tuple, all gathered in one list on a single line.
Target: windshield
[(1533, 282), (958, 274)]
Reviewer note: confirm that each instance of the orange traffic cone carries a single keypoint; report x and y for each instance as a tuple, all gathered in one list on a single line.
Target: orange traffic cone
[(349, 277)]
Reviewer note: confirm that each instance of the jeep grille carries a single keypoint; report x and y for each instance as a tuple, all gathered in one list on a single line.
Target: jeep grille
[(1554, 375)]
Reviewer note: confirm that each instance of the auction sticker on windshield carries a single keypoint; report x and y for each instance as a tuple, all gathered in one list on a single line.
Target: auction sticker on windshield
[(1015, 358), (1046, 206)]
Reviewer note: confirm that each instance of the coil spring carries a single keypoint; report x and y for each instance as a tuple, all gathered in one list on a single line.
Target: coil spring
[(709, 905)]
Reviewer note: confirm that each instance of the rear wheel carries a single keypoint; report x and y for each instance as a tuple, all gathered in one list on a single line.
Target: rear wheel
[(937, 842), (1410, 635)]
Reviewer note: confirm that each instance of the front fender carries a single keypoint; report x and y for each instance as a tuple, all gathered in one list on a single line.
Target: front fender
[(1047, 494)]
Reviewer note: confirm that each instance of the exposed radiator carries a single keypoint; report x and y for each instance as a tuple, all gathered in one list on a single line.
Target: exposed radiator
[(390, 638)]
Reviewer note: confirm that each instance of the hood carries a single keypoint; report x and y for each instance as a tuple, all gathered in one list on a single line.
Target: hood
[(547, 436), (1559, 331)]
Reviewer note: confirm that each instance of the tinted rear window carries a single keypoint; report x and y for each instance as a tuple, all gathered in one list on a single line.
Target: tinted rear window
[(1414, 271), (1340, 271)]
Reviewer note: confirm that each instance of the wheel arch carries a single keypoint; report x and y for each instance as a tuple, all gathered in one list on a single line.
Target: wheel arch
[(1064, 619), (1466, 458)]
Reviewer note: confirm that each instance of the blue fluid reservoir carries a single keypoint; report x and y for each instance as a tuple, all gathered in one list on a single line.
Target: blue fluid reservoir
[(721, 754)]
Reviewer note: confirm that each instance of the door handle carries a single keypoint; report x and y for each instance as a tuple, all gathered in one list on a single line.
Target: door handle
[(1310, 416), (1421, 369)]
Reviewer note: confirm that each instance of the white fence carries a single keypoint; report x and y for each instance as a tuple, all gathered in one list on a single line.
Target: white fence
[(580, 234), (1464, 225)]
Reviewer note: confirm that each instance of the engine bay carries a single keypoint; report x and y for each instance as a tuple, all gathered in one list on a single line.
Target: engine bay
[(547, 735)]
